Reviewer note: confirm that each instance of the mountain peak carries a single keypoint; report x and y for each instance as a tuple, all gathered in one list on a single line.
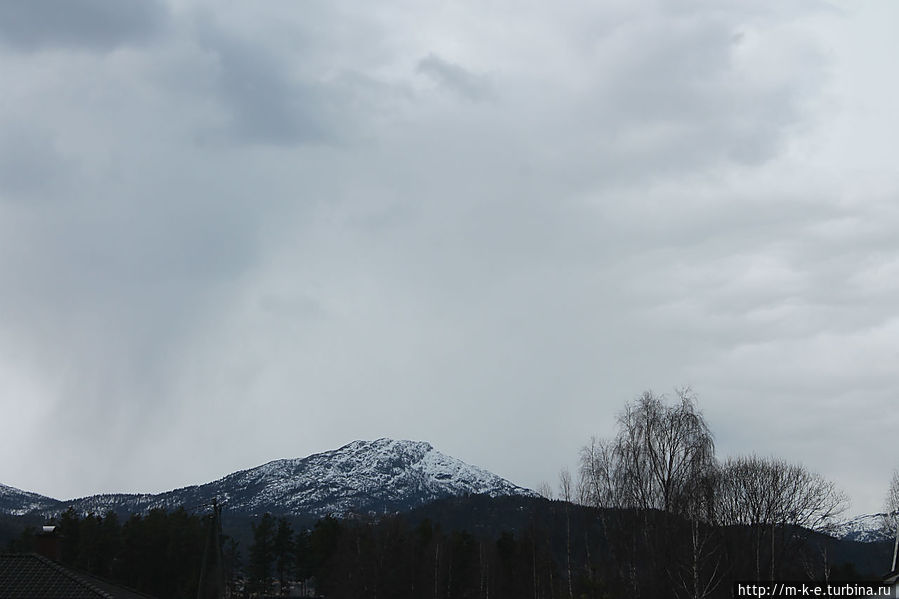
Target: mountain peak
[(365, 476), (383, 475), (385, 442), (385, 447), (361, 477)]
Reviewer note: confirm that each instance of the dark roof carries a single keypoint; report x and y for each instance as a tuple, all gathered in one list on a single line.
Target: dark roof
[(32, 576)]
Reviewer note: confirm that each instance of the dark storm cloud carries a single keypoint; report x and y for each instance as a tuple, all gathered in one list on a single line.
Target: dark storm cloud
[(266, 107), (122, 230), (91, 24), (269, 100)]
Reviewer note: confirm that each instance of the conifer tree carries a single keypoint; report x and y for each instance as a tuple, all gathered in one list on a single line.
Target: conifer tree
[(284, 549), (262, 554)]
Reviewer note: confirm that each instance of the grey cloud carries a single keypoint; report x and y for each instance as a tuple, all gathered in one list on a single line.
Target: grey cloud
[(91, 24), (619, 215), (30, 164), (665, 96), (269, 101), (455, 78)]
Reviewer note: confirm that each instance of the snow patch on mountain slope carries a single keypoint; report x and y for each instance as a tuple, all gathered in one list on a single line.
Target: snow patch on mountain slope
[(866, 528), (362, 477), (18, 502)]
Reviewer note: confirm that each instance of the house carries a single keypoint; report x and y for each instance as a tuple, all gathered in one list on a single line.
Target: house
[(33, 576), (892, 581)]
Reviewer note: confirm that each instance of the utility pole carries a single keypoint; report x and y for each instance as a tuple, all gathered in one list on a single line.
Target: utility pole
[(212, 574)]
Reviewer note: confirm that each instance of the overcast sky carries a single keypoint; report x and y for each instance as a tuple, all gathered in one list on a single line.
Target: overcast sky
[(233, 232)]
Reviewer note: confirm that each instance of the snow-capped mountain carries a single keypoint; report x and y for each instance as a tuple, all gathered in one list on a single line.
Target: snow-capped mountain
[(363, 477), (17, 502), (867, 528)]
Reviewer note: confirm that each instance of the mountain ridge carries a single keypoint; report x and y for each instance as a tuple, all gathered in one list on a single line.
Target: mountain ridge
[(864, 528), (361, 477)]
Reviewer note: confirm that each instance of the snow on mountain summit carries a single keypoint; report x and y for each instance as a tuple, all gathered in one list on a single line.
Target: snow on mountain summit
[(362, 477)]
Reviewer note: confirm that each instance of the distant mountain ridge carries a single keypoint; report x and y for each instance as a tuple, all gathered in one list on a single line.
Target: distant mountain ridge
[(362, 477), (866, 528), (17, 502)]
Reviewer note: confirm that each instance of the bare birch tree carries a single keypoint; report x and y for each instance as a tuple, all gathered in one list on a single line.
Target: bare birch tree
[(656, 461), (596, 472), (891, 506), (772, 496), (754, 490), (661, 460)]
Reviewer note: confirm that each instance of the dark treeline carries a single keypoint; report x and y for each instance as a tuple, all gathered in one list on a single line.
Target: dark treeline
[(552, 550), (159, 553), (393, 558), (475, 547)]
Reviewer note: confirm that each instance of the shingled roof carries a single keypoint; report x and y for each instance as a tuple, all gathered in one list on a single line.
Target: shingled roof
[(30, 576)]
